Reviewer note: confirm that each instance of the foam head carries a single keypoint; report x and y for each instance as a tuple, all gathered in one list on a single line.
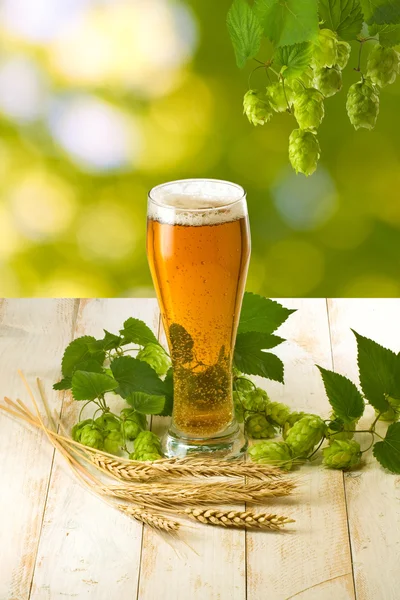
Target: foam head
[(197, 202)]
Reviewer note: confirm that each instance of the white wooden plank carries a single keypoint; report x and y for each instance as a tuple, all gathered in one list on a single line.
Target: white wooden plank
[(314, 561), (33, 335), (87, 549), (211, 567), (373, 494)]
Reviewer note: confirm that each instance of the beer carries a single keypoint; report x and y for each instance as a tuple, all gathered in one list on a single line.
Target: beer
[(198, 249)]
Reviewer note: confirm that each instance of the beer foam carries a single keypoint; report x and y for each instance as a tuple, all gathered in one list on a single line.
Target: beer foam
[(197, 202)]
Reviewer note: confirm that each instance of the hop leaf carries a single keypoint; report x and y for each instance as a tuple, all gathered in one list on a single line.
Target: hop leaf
[(113, 441), (278, 413), (272, 453), (325, 49), (383, 65), (342, 454), (133, 423), (328, 80), (91, 436), (387, 452), (305, 434), (258, 427), (309, 108), (291, 420), (155, 356), (363, 104), (304, 151), (393, 414), (256, 107), (343, 54), (279, 97)]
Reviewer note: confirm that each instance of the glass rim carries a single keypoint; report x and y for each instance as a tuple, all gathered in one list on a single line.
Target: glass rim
[(199, 180)]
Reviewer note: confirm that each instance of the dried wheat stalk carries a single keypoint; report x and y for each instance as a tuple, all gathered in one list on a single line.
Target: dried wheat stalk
[(235, 518), (154, 520)]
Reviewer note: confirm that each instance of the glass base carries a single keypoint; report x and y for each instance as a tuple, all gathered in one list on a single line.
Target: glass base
[(228, 445)]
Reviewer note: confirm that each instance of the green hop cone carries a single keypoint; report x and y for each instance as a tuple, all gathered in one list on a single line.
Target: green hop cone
[(243, 385), (339, 430), (383, 65), (325, 49), (92, 436), (309, 108), (277, 413), (256, 107), (363, 104), (343, 54), (305, 80), (279, 97), (393, 414), (304, 151), (145, 456), (328, 80), (155, 356), (272, 453), (256, 400), (258, 427), (132, 423), (108, 422), (147, 441), (77, 429), (305, 434), (113, 442), (291, 420), (342, 454)]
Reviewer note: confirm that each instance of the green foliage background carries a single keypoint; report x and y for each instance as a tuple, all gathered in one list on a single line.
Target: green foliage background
[(68, 229)]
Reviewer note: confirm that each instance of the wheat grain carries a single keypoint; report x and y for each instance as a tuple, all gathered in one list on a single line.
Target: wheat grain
[(154, 520), (234, 518)]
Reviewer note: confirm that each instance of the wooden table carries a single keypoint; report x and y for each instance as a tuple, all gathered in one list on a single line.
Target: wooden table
[(58, 541)]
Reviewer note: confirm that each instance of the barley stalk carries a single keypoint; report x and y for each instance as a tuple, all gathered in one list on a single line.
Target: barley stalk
[(235, 518)]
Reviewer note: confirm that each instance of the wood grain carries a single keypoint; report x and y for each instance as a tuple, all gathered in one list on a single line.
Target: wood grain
[(87, 549), (33, 335), (373, 494)]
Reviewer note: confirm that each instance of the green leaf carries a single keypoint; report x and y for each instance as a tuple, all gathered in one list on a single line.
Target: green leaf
[(110, 341), (293, 60), (387, 452), (245, 31), (252, 339), (78, 352), (91, 365), (64, 384), (181, 343), (344, 397), (377, 367), (88, 386), (136, 331), (250, 359), (261, 314), (288, 22), (342, 16), (381, 12), (146, 404), (389, 35), (134, 375), (169, 394)]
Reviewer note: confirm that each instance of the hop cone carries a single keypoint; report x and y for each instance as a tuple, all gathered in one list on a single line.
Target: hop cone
[(256, 400), (277, 98), (304, 151), (147, 447), (383, 65), (277, 413), (305, 80), (77, 429), (256, 107), (243, 385), (258, 427), (309, 108), (339, 430), (343, 54), (91, 436), (393, 414), (155, 356), (272, 453), (108, 422), (291, 420), (132, 423), (363, 104), (342, 454), (328, 80), (325, 50), (113, 442), (305, 434)]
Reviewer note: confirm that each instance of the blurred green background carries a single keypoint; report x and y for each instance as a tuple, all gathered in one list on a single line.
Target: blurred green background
[(101, 100)]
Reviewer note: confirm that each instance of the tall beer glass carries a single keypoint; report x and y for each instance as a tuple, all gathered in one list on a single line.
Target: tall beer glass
[(198, 247)]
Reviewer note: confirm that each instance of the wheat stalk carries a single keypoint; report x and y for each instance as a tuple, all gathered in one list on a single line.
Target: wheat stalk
[(235, 518), (154, 520)]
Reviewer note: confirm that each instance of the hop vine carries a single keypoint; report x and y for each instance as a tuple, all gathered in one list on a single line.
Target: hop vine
[(305, 69)]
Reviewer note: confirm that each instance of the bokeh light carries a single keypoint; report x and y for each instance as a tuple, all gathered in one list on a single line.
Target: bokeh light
[(102, 99)]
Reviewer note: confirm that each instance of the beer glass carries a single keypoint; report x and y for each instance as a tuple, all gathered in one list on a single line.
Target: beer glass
[(198, 248)]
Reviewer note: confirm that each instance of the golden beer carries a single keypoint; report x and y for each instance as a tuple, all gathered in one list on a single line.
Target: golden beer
[(198, 247)]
